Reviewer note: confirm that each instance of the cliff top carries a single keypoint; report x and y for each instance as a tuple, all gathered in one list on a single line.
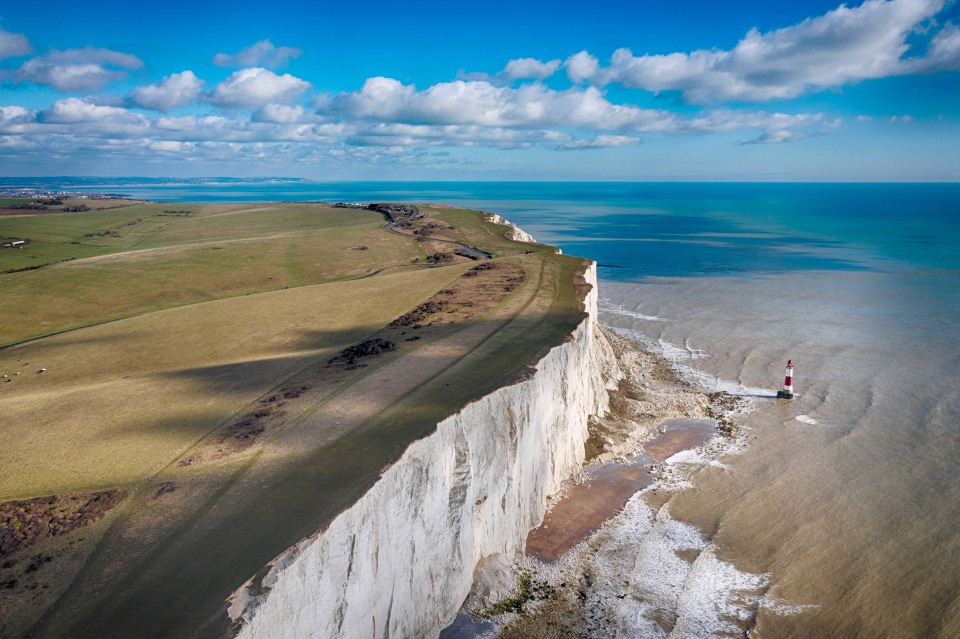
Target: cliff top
[(243, 373)]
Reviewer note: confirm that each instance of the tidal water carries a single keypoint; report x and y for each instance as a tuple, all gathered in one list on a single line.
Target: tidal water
[(842, 516)]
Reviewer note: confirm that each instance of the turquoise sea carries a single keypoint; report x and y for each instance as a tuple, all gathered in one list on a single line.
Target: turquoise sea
[(847, 499)]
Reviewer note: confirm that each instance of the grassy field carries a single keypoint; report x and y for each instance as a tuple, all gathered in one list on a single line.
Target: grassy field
[(230, 306), (160, 260), (183, 370)]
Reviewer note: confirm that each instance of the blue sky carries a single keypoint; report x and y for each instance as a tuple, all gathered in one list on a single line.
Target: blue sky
[(687, 90)]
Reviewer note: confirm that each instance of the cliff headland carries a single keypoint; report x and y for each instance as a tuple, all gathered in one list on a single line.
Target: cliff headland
[(259, 386)]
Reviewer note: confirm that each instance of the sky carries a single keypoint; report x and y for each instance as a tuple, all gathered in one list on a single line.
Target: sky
[(531, 90)]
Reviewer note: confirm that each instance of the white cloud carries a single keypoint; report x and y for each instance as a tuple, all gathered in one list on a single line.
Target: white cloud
[(16, 114), (283, 114), (581, 66), (174, 91), (13, 45), (518, 69), (600, 142), (530, 68), (844, 46), (461, 111), (482, 103), (87, 69), (75, 110), (777, 136), (260, 54), (944, 54), (256, 87)]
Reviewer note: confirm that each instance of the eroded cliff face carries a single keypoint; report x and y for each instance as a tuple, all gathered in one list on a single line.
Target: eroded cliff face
[(515, 233), (400, 561)]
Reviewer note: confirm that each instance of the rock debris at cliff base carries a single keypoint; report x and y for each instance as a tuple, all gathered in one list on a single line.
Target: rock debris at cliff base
[(591, 588)]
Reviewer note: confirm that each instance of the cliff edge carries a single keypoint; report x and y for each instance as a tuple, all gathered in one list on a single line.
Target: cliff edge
[(400, 561)]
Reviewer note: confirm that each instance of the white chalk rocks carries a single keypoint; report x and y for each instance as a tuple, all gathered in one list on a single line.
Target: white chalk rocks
[(515, 233)]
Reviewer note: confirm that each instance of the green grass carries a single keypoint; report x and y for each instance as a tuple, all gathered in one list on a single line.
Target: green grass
[(167, 261), (121, 400)]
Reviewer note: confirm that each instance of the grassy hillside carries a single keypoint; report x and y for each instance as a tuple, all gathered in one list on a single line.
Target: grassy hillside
[(156, 256), (228, 407)]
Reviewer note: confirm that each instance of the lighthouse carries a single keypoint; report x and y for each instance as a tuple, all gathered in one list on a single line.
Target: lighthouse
[(787, 392)]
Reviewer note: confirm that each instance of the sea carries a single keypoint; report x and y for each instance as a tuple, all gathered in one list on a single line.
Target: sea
[(841, 515)]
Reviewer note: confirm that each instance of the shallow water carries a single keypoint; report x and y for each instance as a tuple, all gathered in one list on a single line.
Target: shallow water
[(843, 512)]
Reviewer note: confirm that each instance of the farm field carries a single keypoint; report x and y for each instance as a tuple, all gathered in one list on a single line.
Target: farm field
[(194, 397)]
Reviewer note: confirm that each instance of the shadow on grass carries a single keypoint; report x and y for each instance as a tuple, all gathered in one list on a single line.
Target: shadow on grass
[(188, 575)]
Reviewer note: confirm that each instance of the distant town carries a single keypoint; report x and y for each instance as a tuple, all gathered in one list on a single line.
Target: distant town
[(28, 192)]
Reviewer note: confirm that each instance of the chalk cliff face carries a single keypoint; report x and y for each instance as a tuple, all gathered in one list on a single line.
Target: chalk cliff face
[(515, 233), (399, 562)]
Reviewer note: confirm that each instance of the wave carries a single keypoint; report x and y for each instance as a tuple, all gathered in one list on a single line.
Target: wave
[(606, 306), (678, 356)]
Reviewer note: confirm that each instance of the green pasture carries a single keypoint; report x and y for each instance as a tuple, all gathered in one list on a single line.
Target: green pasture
[(222, 306), (119, 399), (158, 260)]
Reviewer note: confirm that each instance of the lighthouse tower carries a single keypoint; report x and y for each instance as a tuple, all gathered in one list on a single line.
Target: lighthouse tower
[(787, 392)]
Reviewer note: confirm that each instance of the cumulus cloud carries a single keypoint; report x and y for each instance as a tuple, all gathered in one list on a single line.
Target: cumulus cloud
[(87, 69), (13, 45), (482, 103), (581, 66), (600, 142), (257, 87), (518, 69), (423, 135), (530, 68), (15, 121), (944, 54), (260, 54), (498, 116), (284, 114), (174, 91), (846, 45), (75, 110)]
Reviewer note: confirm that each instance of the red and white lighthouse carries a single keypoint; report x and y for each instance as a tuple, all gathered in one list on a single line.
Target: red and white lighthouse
[(787, 392)]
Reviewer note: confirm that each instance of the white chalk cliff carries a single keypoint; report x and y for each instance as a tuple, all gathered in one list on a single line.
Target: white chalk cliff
[(514, 233), (399, 563)]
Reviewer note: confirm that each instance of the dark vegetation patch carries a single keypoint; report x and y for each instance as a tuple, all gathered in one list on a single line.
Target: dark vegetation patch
[(475, 292), (163, 488), (368, 348), (25, 522), (527, 591), (399, 214), (35, 266), (416, 317), (428, 229), (244, 432), (110, 233), (238, 436), (440, 258)]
